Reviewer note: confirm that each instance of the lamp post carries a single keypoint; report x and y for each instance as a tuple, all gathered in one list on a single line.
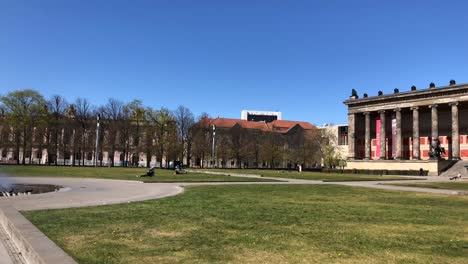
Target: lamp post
[(97, 141), (213, 147)]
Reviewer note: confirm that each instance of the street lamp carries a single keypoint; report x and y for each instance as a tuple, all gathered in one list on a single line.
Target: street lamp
[(213, 147), (97, 141)]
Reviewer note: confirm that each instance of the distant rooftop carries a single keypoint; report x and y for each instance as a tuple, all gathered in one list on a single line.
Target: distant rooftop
[(278, 126), (260, 116)]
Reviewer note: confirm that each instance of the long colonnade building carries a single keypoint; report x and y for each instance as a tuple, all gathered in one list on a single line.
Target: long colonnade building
[(396, 131)]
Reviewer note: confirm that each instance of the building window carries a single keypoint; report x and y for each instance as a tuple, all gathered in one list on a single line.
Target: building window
[(232, 163), (38, 154), (343, 135), (90, 156)]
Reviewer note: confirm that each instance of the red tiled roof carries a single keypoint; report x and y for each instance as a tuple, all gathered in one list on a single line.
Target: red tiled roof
[(223, 122), (283, 126), (279, 126)]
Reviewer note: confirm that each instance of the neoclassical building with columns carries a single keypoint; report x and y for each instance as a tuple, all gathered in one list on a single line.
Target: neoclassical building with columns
[(396, 131)]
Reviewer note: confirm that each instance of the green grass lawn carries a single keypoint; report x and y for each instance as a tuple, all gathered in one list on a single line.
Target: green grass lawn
[(456, 185), (118, 173), (308, 175), (267, 224)]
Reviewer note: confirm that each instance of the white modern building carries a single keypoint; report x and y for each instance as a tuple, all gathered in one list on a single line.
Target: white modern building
[(260, 116)]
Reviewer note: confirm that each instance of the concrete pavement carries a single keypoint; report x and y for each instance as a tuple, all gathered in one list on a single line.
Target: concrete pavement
[(88, 192), (366, 184)]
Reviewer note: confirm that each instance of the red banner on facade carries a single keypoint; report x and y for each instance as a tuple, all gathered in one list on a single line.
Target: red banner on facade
[(377, 137), (393, 135)]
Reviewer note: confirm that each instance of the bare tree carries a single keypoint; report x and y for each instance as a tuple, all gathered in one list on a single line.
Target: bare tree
[(223, 147), (137, 122), (272, 149), (57, 106), (112, 113), (201, 138), (239, 144), (164, 123), (82, 111), (185, 120), (304, 146)]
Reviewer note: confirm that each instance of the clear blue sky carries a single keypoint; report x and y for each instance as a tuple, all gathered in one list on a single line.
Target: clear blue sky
[(298, 57)]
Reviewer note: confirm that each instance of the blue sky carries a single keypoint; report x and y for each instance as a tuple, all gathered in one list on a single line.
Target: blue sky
[(298, 57)]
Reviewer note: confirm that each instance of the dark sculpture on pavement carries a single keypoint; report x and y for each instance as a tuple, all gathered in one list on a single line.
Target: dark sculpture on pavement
[(436, 151)]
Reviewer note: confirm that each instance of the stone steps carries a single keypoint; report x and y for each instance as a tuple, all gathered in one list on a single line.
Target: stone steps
[(458, 167)]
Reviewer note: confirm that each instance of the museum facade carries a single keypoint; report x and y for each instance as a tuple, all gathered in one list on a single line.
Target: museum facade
[(398, 131)]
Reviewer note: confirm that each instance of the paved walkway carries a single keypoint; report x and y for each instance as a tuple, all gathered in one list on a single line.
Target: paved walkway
[(90, 192), (384, 185), (367, 184)]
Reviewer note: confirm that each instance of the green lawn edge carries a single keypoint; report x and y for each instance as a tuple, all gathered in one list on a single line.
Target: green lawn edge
[(457, 186), (266, 223), (306, 175), (118, 173)]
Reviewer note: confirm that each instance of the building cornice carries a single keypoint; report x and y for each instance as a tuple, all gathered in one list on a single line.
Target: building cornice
[(453, 90)]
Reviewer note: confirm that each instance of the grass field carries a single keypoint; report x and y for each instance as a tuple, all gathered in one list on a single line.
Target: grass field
[(267, 224), (307, 175), (118, 173), (456, 185)]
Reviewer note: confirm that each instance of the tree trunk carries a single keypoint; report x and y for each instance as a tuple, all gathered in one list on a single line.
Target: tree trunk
[(17, 154), (24, 153), (148, 159), (113, 151)]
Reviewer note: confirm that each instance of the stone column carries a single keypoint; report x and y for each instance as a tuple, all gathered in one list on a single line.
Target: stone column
[(398, 151), (416, 151), (455, 132), (351, 136), (434, 125), (383, 145), (367, 151)]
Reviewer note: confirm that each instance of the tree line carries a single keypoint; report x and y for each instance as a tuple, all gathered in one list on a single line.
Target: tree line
[(250, 148), (30, 124)]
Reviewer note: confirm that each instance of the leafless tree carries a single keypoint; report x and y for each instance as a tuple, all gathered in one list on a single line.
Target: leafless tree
[(201, 139), (112, 118), (57, 106), (185, 120), (83, 113), (272, 149)]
